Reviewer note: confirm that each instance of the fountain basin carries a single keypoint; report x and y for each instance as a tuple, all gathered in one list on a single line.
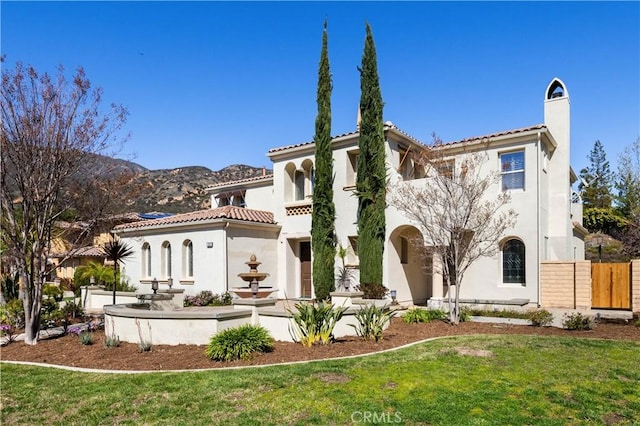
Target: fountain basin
[(245, 292), (134, 322)]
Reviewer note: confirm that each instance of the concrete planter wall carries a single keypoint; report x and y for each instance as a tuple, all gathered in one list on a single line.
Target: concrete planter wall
[(188, 327)]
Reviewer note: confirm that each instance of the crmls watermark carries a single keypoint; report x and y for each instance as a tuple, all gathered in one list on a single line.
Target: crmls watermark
[(373, 417)]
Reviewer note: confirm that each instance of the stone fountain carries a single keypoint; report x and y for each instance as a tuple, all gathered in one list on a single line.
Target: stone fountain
[(252, 278)]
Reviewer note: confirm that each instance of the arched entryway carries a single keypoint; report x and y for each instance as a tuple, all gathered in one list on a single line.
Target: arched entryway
[(409, 268)]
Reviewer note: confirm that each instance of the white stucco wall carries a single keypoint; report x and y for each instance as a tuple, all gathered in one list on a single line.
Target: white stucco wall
[(219, 254)]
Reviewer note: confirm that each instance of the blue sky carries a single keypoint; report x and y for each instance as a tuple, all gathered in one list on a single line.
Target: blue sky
[(219, 83)]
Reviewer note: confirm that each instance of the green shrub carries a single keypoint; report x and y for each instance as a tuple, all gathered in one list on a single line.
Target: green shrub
[(123, 285), (638, 323), (417, 315), (111, 341), (371, 322), (72, 310), (498, 313), (10, 286), (52, 291), (86, 338), (239, 343), (373, 290), (315, 323), (12, 313), (465, 314), (577, 321), (207, 298), (540, 317)]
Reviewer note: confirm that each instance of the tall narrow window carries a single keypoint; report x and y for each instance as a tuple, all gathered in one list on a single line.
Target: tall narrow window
[(404, 251), (512, 169), (146, 260), (299, 185), (166, 259), (513, 263), (187, 259)]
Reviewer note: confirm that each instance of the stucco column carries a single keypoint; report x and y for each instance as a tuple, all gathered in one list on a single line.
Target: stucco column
[(437, 281)]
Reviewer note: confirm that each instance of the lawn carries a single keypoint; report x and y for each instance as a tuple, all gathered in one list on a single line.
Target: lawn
[(466, 380)]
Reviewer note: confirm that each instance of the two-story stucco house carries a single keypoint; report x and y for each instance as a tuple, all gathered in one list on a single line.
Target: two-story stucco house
[(270, 216)]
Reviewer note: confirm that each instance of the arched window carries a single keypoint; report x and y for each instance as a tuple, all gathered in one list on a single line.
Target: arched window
[(187, 259), (513, 262), (166, 259), (146, 260)]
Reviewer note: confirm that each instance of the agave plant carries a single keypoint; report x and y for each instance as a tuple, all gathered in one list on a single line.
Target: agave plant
[(315, 323), (371, 321), (116, 251)]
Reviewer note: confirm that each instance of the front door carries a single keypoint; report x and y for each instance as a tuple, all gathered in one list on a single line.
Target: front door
[(305, 269)]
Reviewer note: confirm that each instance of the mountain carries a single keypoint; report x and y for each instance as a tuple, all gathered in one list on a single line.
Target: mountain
[(183, 189)]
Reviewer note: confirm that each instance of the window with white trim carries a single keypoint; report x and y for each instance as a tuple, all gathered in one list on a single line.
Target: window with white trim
[(146, 260), (187, 259), (166, 259), (512, 170)]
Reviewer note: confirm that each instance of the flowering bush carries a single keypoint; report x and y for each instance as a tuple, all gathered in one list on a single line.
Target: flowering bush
[(89, 326), (7, 330), (207, 298)]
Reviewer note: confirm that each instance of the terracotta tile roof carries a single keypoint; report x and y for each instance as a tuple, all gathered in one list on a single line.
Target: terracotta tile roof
[(226, 212), (387, 125), (283, 148), (233, 182), (89, 251), (498, 134)]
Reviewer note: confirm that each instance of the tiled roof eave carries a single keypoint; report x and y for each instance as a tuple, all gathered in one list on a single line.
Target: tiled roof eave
[(506, 134), (248, 181), (199, 218)]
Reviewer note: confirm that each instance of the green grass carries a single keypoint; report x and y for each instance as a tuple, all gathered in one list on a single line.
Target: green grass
[(525, 380)]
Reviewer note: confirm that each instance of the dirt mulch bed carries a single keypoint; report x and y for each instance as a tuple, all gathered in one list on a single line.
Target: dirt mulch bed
[(67, 350)]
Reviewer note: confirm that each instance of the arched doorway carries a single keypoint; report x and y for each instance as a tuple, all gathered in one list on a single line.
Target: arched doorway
[(409, 267)]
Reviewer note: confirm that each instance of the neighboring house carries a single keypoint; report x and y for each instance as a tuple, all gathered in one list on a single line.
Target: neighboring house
[(270, 216), (66, 258)]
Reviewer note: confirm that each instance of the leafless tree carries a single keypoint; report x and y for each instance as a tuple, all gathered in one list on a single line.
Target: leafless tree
[(456, 210), (52, 131)]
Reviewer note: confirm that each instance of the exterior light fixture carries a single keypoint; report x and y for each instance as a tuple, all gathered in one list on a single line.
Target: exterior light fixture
[(393, 294), (170, 282), (254, 288), (92, 280), (154, 285)]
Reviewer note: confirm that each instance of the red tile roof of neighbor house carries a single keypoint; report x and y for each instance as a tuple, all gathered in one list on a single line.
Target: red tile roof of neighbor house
[(226, 212), (89, 251)]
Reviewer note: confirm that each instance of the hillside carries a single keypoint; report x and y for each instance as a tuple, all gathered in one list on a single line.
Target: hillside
[(183, 189)]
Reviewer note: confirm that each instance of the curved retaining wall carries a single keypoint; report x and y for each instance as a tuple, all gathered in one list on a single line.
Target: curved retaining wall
[(186, 326)]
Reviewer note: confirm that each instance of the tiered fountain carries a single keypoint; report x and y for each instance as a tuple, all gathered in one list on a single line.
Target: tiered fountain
[(253, 278)]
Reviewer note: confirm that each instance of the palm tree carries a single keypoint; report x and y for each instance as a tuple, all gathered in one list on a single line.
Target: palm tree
[(116, 251), (96, 270)]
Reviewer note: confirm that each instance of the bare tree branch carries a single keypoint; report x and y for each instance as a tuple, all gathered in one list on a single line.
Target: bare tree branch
[(455, 210)]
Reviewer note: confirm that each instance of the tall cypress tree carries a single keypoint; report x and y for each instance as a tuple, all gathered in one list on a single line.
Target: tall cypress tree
[(371, 177), (324, 212)]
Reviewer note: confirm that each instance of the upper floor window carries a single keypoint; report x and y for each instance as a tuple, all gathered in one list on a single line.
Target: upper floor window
[(513, 262), (299, 182), (146, 260), (352, 167), (445, 168), (512, 169), (187, 259)]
